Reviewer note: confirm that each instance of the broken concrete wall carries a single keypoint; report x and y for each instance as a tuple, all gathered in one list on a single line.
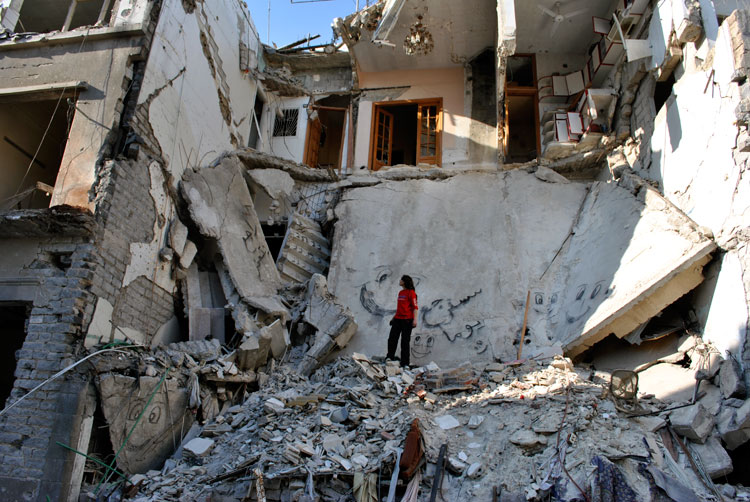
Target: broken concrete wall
[(196, 100), (582, 278), (445, 83), (614, 281), (466, 312), (40, 67), (221, 207), (701, 168)]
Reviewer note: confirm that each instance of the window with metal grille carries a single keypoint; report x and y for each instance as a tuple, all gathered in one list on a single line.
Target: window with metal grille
[(286, 125)]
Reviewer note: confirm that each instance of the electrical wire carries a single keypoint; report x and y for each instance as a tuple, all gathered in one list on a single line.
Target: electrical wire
[(52, 118), (65, 370)]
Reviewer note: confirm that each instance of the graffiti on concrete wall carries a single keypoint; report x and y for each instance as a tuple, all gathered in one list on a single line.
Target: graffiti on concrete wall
[(442, 319), (585, 299)]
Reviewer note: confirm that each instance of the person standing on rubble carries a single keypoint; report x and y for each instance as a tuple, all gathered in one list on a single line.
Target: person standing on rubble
[(404, 320)]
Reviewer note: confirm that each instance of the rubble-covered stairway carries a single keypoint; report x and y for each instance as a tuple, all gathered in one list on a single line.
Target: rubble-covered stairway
[(305, 250)]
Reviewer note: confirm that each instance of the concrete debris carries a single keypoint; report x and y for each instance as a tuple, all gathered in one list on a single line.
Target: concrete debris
[(197, 448), (447, 422), (714, 457), (730, 379), (693, 422), (334, 323), (286, 431), (222, 209)]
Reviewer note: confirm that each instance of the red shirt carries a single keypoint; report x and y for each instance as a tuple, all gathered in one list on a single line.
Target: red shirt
[(406, 304)]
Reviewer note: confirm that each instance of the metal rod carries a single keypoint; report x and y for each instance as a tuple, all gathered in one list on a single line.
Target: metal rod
[(69, 17), (437, 479)]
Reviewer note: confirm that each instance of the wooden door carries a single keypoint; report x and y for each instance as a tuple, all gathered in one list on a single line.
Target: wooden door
[(428, 134), (314, 131), (383, 139)]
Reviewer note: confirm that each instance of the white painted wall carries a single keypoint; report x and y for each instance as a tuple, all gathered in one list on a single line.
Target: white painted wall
[(694, 158), (287, 147), (183, 90)]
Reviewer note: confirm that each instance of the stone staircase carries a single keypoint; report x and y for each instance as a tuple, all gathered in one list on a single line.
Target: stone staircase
[(304, 252)]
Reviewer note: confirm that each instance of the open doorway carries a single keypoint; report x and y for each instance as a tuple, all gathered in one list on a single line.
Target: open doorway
[(33, 135), (13, 318), (406, 132), (521, 138), (324, 145)]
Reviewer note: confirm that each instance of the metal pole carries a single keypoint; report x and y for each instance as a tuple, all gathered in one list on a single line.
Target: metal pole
[(268, 33)]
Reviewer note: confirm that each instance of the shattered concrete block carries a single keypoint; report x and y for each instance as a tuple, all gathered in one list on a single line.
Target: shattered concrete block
[(279, 338), (334, 322), (730, 379), (546, 174), (527, 439), (222, 208), (249, 353), (178, 234), (206, 322), (474, 471), (742, 416), (731, 434), (152, 440), (325, 314), (447, 422), (693, 422), (714, 457), (198, 447), (188, 254)]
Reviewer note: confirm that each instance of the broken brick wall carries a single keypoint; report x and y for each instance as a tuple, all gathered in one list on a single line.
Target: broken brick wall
[(694, 149), (52, 275)]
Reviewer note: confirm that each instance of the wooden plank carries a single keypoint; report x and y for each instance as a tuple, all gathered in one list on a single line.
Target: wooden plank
[(523, 329)]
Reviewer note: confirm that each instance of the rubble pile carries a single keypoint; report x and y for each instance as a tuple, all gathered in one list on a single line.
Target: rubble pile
[(524, 430)]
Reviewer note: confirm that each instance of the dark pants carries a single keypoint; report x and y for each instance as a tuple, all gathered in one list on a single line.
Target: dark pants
[(402, 328)]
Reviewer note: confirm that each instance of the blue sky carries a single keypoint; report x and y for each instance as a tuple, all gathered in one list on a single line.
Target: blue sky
[(293, 21)]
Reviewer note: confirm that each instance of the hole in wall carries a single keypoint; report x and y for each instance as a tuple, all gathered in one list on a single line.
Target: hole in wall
[(274, 235), (662, 91), (14, 319)]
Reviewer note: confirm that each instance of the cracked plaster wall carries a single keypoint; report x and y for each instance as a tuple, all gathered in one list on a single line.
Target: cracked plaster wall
[(196, 101), (288, 147), (689, 148), (561, 248)]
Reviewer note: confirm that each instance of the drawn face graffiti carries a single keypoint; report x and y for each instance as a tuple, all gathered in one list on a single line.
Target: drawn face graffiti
[(432, 342), (421, 345), (379, 295), (585, 300)]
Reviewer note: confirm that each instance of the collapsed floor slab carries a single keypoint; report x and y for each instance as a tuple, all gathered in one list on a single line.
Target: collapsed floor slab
[(596, 258)]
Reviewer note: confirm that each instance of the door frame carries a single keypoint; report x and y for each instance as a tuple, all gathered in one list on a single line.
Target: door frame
[(525, 91), (405, 102)]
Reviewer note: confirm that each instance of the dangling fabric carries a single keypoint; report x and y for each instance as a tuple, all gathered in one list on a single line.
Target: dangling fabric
[(412, 490), (413, 451), (610, 485)]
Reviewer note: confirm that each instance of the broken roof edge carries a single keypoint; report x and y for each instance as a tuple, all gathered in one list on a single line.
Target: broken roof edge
[(56, 220)]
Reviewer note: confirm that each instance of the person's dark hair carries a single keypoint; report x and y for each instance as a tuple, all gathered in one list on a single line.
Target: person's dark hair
[(408, 282)]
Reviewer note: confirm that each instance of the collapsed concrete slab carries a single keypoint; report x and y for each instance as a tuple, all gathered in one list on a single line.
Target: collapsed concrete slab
[(221, 206), (631, 254), (146, 416), (334, 323), (476, 247)]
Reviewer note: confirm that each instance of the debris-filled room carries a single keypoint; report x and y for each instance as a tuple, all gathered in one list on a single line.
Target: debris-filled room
[(490, 250)]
